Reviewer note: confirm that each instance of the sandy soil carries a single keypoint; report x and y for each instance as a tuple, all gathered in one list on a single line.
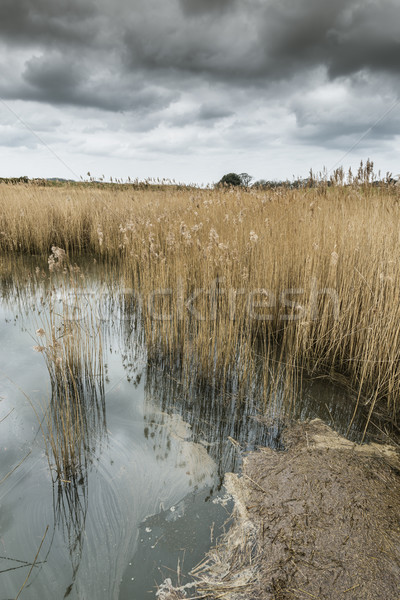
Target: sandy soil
[(318, 521)]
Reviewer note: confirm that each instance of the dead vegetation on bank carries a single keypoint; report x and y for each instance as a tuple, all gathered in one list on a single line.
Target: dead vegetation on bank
[(229, 282), (320, 520)]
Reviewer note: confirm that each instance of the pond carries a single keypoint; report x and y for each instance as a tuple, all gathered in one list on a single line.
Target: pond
[(145, 498)]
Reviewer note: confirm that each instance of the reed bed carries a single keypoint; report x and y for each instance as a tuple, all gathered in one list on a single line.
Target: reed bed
[(227, 281)]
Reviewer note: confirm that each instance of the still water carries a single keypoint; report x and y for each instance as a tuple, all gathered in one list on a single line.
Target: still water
[(148, 499)]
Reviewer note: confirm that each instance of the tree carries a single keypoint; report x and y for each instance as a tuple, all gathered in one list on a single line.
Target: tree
[(246, 179), (234, 179), (231, 179)]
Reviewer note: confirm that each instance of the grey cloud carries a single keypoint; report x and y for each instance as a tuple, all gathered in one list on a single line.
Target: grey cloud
[(18, 138), (206, 116), (194, 7), (47, 21), (222, 47), (55, 76), (345, 36), (345, 113), (262, 42), (167, 42), (210, 112), (345, 134), (55, 79)]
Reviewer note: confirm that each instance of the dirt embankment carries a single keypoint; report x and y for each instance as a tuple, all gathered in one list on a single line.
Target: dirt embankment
[(318, 521)]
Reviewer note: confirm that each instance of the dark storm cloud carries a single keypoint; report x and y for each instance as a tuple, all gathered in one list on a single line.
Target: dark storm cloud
[(193, 7), (54, 76), (344, 36), (47, 21), (56, 79), (207, 44), (251, 42)]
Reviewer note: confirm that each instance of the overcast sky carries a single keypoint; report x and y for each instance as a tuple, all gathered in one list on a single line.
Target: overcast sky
[(193, 89)]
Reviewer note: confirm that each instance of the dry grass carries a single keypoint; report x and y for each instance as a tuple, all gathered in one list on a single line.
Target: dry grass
[(279, 248)]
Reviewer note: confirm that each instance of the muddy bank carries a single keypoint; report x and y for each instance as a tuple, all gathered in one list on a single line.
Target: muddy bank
[(320, 520)]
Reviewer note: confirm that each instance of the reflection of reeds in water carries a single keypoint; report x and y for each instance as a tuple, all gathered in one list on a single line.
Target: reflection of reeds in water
[(69, 337), (70, 510), (227, 418), (73, 356), (221, 419), (77, 402), (70, 341)]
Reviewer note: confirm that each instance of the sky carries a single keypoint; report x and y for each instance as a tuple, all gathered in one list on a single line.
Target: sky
[(192, 89)]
